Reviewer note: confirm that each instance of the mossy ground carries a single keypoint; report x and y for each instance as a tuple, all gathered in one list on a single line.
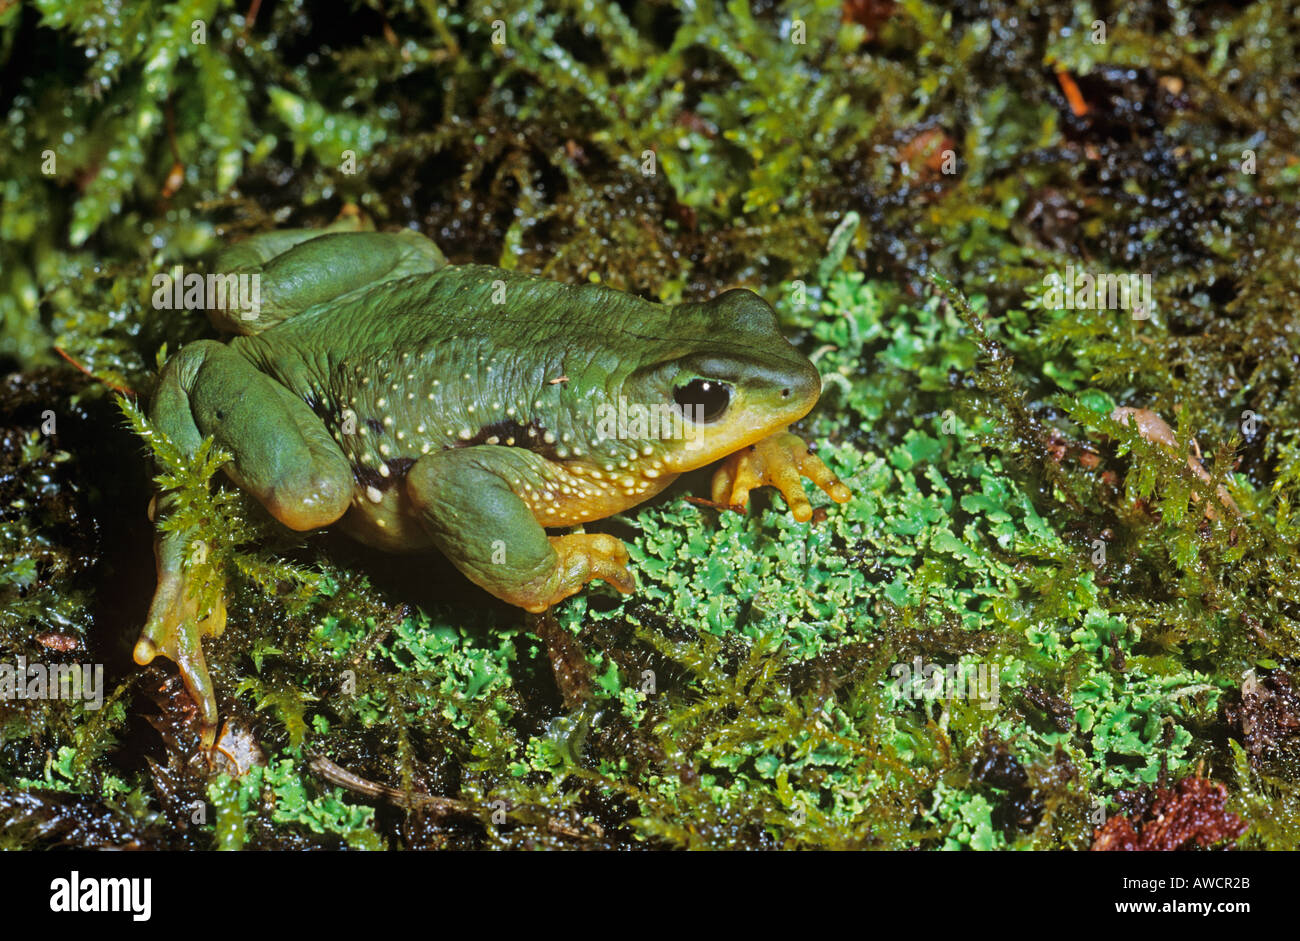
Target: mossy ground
[(1139, 629)]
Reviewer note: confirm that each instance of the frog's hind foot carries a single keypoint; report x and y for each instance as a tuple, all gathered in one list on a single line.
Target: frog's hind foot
[(779, 460), (583, 558), (175, 629)]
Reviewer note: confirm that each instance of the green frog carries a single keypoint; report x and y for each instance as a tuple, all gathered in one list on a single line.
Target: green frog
[(417, 403)]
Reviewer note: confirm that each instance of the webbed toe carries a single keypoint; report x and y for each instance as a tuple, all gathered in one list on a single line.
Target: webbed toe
[(780, 460)]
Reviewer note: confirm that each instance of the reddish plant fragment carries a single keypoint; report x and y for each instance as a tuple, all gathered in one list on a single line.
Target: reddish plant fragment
[(869, 14), (1191, 813)]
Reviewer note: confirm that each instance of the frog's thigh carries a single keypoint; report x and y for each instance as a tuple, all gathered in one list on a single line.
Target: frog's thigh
[(467, 506), (283, 454), (256, 250), (321, 269)]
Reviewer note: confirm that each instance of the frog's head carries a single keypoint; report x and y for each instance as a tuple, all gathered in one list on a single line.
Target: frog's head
[(732, 375)]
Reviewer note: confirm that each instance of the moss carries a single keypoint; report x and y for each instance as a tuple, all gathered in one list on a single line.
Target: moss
[(759, 690)]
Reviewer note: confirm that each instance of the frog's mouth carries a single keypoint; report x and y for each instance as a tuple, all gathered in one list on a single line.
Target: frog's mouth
[(749, 419)]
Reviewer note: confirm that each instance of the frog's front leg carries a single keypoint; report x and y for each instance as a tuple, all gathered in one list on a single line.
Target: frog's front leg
[(468, 501), (779, 460), (283, 455)]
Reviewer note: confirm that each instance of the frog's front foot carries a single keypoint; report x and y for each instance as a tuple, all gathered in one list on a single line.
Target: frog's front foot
[(779, 460), (583, 557), (175, 628)]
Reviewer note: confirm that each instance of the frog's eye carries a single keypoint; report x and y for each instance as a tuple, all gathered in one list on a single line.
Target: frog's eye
[(703, 400)]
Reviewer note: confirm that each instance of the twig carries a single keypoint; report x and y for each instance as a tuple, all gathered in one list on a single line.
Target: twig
[(122, 390), (411, 800)]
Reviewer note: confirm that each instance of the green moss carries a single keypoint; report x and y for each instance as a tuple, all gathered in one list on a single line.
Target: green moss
[(747, 696), (277, 793)]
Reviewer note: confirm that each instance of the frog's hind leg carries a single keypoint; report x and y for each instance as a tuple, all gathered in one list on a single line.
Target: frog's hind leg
[(283, 455), (467, 501), (297, 269), (259, 249)]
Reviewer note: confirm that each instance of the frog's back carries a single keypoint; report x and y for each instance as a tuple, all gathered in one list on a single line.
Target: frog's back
[(507, 310), (464, 355)]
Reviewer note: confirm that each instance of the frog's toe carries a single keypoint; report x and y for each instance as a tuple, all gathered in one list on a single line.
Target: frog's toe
[(175, 629), (779, 460), (729, 489), (596, 555), (583, 558), (812, 467)]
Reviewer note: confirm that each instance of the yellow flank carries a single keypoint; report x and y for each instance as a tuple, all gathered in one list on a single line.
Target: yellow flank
[(579, 492)]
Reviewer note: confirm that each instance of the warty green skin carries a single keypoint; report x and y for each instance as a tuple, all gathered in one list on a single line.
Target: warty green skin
[(432, 362), (470, 356), (420, 403)]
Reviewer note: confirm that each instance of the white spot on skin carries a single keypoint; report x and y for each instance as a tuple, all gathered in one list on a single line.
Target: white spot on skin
[(383, 470), (374, 494)]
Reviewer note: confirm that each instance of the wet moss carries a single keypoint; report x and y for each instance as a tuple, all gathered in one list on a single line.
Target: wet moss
[(1142, 631)]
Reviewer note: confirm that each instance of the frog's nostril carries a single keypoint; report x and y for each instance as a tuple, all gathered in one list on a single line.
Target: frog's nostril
[(785, 393)]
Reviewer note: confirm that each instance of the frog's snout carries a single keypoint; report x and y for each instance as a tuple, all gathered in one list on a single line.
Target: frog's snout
[(798, 387)]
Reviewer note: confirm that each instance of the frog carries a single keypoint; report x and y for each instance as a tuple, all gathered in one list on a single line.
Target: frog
[(483, 412)]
